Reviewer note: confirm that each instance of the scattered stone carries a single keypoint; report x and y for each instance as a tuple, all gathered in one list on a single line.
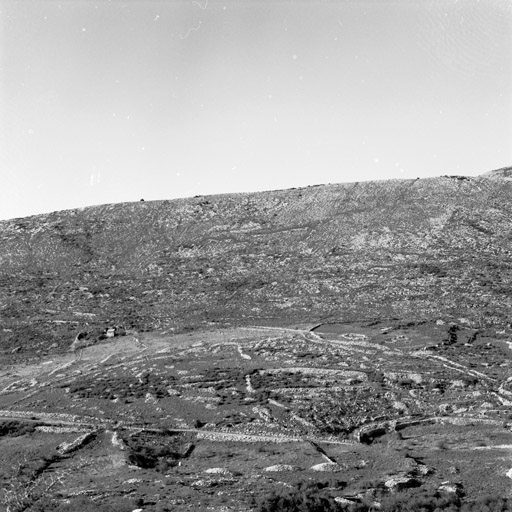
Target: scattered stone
[(150, 399), (451, 487), (400, 483), (401, 376), (331, 467), (343, 501), (458, 384), (354, 336), (281, 467), (445, 408), (133, 481), (50, 429), (118, 442), (400, 337), (77, 443), (423, 470), (201, 483), (218, 471), (400, 406)]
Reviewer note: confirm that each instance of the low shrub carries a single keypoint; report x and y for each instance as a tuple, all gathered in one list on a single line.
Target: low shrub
[(82, 504), (13, 428), (308, 500), (488, 503), (313, 497), (422, 499)]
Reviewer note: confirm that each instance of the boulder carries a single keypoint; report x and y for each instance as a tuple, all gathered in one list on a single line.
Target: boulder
[(451, 487), (218, 471), (344, 502), (331, 467), (399, 483), (281, 467)]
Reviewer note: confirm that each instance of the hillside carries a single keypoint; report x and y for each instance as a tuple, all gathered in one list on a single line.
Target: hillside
[(345, 347), (410, 249)]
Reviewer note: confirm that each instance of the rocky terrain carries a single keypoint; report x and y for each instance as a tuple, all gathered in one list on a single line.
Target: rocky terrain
[(353, 340)]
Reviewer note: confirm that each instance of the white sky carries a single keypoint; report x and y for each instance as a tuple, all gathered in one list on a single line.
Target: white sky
[(108, 101)]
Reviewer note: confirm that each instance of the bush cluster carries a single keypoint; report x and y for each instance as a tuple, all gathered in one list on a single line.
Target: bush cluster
[(222, 378), (284, 380), (315, 498), (123, 387), (428, 500), (13, 428), (308, 500), (158, 452), (160, 458), (421, 499), (82, 504)]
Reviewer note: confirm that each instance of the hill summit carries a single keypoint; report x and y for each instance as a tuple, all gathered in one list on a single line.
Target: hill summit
[(411, 249), (505, 173)]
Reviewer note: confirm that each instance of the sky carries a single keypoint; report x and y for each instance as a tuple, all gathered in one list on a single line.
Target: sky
[(111, 101)]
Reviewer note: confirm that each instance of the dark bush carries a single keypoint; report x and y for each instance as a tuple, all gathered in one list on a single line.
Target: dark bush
[(429, 500), (488, 503), (452, 335), (122, 386), (308, 500), (82, 504), (13, 428), (313, 497), (160, 452)]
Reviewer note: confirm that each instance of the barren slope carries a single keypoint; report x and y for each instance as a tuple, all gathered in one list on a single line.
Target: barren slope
[(417, 249)]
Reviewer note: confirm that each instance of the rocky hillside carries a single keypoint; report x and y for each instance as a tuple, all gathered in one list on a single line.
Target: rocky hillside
[(407, 249)]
